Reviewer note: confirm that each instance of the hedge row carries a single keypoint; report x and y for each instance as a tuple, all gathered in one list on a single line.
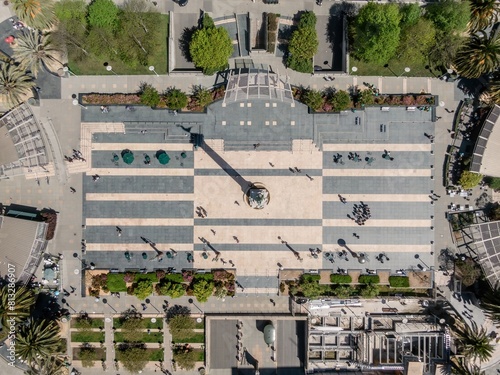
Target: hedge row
[(369, 279), (399, 281), (340, 279)]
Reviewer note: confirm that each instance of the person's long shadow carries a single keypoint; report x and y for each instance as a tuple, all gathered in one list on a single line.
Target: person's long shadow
[(231, 172)]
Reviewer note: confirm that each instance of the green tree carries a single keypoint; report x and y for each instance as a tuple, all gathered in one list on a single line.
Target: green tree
[(149, 95), (35, 51), (181, 322), (492, 182), (474, 343), (202, 96), (53, 365), (15, 85), (343, 291), (370, 291), (303, 44), (210, 49), (24, 299), (469, 180), (133, 358), (175, 99), (449, 15), (207, 21), (310, 288), (104, 14), (445, 50), (468, 271), (490, 303), (416, 42), (202, 289), (483, 13), (376, 32), (313, 99), (341, 100), (101, 42), (410, 14), (87, 355), (460, 366), (37, 338), (185, 357), (493, 93), (38, 14), (479, 56), (132, 329), (366, 97), (71, 32), (168, 288), (143, 289)]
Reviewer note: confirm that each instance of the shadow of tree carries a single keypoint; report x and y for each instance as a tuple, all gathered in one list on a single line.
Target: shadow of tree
[(184, 40)]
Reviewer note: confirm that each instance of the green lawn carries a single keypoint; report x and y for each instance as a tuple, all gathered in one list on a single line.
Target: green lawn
[(155, 354), (201, 355), (100, 353), (199, 325), (93, 65), (189, 337), (87, 336), (95, 323), (146, 323), (152, 337), (395, 68)]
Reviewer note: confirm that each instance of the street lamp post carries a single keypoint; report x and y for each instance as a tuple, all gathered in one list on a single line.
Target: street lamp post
[(191, 302), (109, 68), (407, 70), (105, 301), (148, 302), (76, 102), (152, 69), (354, 69), (66, 69)]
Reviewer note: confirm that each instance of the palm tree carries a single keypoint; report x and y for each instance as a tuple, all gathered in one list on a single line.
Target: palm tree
[(24, 299), (459, 367), (37, 339), (34, 50), (491, 300), (38, 14), (474, 343), (54, 365), (479, 56), (493, 93), (15, 84), (483, 14)]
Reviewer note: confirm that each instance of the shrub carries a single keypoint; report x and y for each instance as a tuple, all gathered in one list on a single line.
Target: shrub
[(220, 275), (343, 291), (168, 288), (160, 274), (202, 96), (149, 95), (307, 278), (341, 100), (174, 277), (313, 99), (369, 279), (175, 99), (366, 97), (151, 276), (492, 182), (399, 281), (100, 282), (369, 290), (143, 289), (202, 289), (116, 282), (187, 276), (129, 277), (469, 180), (340, 279)]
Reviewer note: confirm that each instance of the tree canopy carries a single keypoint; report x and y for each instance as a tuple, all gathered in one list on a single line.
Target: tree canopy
[(468, 179), (134, 359), (376, 32), (103, 13), (449, 15), (416, 41), (210, 49), (303, 44)]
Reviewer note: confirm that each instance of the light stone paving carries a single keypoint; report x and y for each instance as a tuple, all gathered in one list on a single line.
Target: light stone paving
[(377, 197), (377, 147), (378, 223), (368, 172), (160, 197), (118, 221), (102, 172)]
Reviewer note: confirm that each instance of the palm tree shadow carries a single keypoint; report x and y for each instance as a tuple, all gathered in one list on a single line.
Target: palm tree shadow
[(184, 40)]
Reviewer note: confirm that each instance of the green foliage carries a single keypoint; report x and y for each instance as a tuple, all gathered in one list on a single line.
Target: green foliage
[(202, 96), (149, 95), (87, 355), (87, 336), (37, 338), (207, 21), (443, 53), (210, 49), (366, 97), (167, 288), (132, 329), (103, 14), (310, 287), (340, 279), (38, 14), (145, 276), (313, 99), (483, 14), (479, 56), (71, 11), (468, 271), (15, 84), (492, 182), (174, 277), (303, 44), (469, 180), (185, 357), (449, 15), (308, 278), (115, 282), (376, 32), (399, 281), (175, 99), (181, 323), (143, 289), (202, 289), (416, 42), (370, 291), (343, 291), (369, 279), (134, 358), (24, 299), (474, 343), (410, 14), (341, 100)]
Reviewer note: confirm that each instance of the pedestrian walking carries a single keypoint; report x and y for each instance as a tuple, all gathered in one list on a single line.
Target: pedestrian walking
[(72, 189)]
